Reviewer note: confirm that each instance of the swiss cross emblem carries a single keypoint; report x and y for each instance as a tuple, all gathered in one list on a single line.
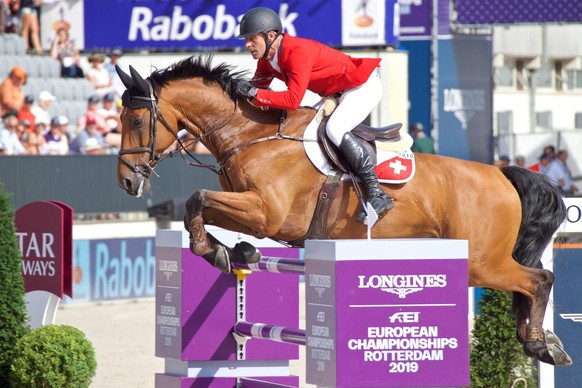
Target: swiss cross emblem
[(396, 168)]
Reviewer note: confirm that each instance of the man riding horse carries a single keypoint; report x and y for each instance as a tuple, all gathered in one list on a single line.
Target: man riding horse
[(304, 64)]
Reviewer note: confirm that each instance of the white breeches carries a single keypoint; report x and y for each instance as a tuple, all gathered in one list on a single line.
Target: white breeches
[(354, 106)]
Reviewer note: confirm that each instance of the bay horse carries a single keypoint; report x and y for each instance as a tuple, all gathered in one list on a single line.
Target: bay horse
[(271, 189)]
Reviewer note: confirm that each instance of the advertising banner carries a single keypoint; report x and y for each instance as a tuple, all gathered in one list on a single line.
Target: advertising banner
[(46, 246), (113, 269), (213, 25), (465, 98), (478, 12)]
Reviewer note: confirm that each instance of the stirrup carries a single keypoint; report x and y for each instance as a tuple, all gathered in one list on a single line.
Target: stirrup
[(387, 204)]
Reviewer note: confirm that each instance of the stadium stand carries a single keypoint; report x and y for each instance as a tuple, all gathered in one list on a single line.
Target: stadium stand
[(44, 73)]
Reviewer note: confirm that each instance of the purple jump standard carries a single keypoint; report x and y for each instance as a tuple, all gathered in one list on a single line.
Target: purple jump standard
[(387, 313)]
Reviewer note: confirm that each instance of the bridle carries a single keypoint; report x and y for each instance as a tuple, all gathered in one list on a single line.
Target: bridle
[(151, 102)]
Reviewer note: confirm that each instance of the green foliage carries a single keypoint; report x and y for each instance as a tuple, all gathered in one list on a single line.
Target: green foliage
[(53, 356), (13, 319), (497, 358)]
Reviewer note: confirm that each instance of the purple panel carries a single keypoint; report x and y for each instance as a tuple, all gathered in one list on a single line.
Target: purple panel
[(320, 315), (517, 11), (402, 322), (168, 302), (208, 306), (410, 332), (195, 307)]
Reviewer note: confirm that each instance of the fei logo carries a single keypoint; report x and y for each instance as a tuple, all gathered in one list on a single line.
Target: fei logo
[(402, 285), (404, 317)]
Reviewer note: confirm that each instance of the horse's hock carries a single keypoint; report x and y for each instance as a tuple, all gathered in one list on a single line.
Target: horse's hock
[(379, 313)]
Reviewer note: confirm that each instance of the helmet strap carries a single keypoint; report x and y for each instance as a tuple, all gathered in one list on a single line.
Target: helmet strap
[(269, 44)]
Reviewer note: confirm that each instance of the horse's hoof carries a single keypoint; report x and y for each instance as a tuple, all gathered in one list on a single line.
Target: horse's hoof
[(552, 339), (221, 259), (245, 253), (552, 353), (559, 355)]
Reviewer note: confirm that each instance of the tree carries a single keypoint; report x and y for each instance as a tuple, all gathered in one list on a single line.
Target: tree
[(497, 358), (13, 317)]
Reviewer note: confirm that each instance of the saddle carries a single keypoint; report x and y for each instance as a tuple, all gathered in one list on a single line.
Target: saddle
[(367, 136)]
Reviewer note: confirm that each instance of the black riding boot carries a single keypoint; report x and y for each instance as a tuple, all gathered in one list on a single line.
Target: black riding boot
[(362, 166)]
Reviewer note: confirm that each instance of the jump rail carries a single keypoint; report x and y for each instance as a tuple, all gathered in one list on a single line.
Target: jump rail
[(274, 265)]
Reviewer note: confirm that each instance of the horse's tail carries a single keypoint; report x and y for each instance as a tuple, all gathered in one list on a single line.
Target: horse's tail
[(543, 211)]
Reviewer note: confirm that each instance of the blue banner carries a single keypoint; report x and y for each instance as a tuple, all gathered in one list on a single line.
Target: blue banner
[(213, 25), (113, 269)]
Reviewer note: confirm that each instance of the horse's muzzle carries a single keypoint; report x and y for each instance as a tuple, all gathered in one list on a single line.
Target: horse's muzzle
[(135, 184)]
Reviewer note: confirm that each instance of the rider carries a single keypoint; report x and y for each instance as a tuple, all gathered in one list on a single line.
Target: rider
[(306, 64)]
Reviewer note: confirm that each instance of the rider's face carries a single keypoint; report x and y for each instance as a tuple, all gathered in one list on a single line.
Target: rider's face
[(256, 45)]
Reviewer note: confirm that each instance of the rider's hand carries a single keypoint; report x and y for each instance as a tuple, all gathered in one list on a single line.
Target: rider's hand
[(245, 89)]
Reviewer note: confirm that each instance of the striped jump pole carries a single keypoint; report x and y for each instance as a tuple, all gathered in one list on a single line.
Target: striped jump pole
[(274, 265), (270, 332)]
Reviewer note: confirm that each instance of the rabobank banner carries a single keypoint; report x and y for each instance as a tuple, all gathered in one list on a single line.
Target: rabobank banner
[(112, 269), (214, 24)]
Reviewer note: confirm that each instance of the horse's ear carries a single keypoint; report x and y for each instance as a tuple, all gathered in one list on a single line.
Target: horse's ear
[(125, 78), (138, 81)]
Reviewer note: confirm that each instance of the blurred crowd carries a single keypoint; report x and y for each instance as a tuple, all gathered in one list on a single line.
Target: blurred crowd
[(552, 164), (29, 129)]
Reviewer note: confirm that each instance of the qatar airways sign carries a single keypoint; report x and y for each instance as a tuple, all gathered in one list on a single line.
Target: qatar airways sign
[(203, 24), (44, 231)]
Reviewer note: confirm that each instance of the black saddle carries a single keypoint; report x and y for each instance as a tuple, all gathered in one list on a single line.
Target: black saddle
[(367, 136)]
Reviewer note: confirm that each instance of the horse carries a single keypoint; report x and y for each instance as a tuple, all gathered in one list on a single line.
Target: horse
[(271, 189)]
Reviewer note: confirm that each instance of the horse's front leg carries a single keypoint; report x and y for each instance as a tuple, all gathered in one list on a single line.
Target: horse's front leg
[(240, 212)]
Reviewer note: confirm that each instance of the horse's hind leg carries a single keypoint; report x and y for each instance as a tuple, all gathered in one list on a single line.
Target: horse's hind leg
[(534, 285)]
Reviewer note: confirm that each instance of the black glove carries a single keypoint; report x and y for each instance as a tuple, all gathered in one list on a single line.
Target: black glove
[(245, 89)]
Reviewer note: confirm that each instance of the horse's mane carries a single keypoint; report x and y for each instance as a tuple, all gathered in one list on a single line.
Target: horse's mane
[(200, 66)]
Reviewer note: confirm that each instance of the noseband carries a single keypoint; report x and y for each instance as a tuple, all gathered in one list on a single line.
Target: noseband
[(151, 102)]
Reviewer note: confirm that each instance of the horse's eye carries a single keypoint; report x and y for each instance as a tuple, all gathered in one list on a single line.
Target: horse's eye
[(138, 121)]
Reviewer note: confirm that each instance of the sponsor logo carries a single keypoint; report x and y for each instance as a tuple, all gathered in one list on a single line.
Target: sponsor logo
[(146, 26), (402, 285), (319, 283), (464, 103), (573, 317)]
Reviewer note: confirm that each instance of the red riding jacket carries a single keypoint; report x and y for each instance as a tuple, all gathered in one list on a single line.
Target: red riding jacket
[(308, 64)]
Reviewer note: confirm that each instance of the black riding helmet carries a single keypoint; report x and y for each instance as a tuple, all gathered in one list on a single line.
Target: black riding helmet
[(260, 20)]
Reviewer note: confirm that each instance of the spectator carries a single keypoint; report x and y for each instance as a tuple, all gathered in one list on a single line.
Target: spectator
[(23, 133), (11, 95), (503, 161), (40, 111), (93, 112), (67, 53), (550, 150), (561, 158), (90, 131), (520, 161), (99, 76), (551, 168), (112, 115), (56, 138), (422, 143), (25, 112), (37, 140), (12, 17), (92, 147), (30, 29), (114, 59), (9, 137)]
